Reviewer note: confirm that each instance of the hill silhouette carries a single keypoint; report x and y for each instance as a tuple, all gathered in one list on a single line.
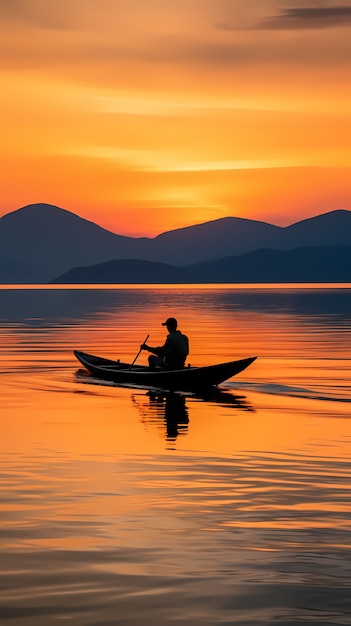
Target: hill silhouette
[(315, 264), (306, 264), (40, 242), (125, 271)]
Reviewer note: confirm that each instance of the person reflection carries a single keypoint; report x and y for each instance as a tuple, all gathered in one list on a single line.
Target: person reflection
[(172, 408), (165, 410)]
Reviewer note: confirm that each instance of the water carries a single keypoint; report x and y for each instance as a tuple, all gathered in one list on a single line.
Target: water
[(119, 506)]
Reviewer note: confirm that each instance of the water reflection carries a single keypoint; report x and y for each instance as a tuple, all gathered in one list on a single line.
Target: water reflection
[(170, 408), (169, 411), (32, 306), (120, 506), (35, 307)]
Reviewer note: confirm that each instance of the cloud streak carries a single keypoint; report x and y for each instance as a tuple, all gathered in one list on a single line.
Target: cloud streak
[(309, 17), (93, 42), (39, 14)]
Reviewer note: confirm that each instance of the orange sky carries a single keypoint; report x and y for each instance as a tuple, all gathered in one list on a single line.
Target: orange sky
[(148, 115)]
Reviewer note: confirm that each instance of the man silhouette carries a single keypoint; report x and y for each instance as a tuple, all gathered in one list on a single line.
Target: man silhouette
[(173, 353)]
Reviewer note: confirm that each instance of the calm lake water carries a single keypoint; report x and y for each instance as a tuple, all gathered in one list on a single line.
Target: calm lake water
[(118, 506)]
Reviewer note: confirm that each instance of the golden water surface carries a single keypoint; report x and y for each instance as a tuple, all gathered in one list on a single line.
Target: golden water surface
[(127, 506)]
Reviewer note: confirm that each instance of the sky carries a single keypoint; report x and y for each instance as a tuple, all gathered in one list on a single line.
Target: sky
[(149, 115)]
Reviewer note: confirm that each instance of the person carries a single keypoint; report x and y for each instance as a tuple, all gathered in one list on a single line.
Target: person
[(173, 353)]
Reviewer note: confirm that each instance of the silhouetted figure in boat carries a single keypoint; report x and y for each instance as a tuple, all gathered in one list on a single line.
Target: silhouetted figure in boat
[(173, 353)]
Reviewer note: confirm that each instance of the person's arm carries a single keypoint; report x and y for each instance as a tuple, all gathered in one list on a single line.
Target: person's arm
[(157, 351), (167, 348)]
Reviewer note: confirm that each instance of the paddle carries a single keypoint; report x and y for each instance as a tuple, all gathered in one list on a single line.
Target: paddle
[(130, 367)]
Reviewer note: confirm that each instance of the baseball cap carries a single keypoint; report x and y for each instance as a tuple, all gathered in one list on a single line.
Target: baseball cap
[(171, 321)]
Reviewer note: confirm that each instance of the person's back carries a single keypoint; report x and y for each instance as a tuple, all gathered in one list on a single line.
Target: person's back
[(176, 349)]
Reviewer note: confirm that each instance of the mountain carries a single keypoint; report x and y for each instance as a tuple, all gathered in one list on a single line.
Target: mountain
[(328, 229), (125, 271), (313, 264), (306, 264), (40, 242), (212, 240), (234, 235)]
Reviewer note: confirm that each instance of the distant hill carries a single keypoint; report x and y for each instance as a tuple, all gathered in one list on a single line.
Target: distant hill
[(319, 264), (40, 242), (306, 264), (328, 229), (215, 239), (127, 271)]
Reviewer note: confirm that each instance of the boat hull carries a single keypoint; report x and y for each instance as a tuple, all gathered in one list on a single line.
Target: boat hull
[(186, 379)]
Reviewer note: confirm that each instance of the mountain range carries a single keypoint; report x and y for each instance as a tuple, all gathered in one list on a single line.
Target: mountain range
[(309, 264), (41, 243)]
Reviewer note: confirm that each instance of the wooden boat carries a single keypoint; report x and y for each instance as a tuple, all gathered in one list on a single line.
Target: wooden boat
[(186, 379)]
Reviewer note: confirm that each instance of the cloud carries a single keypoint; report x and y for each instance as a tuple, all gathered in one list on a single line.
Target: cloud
[(151, 64), (39, 13), (309, 17), (110, 43)]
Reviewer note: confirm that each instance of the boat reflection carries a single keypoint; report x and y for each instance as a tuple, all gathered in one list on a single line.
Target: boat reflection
[(169, 411)]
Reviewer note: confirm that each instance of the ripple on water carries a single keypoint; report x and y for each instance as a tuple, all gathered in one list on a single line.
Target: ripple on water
[(244, 539)]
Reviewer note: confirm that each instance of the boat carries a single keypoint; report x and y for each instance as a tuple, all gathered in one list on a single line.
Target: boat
[(185, 379)]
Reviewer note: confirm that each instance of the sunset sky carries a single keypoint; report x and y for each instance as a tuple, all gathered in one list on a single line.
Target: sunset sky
[(149, 115)]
